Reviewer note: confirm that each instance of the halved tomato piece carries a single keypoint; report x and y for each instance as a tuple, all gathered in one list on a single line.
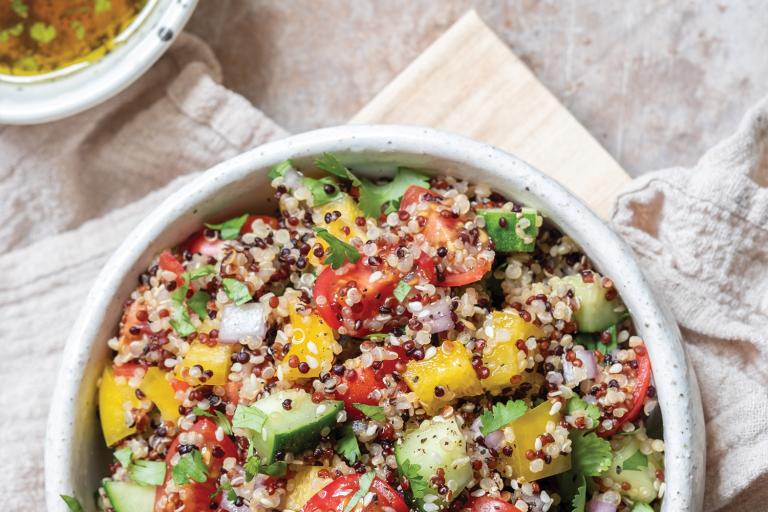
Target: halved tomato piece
[(335, 496), (642, 381), (198, 243)]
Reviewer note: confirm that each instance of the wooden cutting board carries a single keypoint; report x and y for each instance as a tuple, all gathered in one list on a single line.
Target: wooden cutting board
[(469, 82)]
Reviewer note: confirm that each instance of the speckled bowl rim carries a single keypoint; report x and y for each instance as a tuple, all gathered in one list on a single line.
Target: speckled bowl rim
[(63, 96), (678, 392)]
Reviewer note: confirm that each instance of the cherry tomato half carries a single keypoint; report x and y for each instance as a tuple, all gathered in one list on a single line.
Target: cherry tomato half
[(196, 496), (489, 504), (640, 391), (362, 382), (168, 261), (441, 230), (199, 243), (335, 496)]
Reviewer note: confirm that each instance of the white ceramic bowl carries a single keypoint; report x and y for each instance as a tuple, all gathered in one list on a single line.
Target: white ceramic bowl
[(43, 98), (75, 458)]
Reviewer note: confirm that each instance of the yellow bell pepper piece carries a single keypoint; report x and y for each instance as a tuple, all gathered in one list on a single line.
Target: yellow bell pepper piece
[(304, 484), (350, 211), (501, 355), (451, 369), (156, 387), (113, 397), (526, 429), (216, 359), (312, 342)]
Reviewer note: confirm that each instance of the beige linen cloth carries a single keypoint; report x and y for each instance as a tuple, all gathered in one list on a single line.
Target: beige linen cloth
[(70, 192)]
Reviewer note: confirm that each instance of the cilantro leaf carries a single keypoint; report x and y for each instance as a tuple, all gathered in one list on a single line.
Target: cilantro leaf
[(411, 472), (338, 251), (249, 417), (199, 303), (591, 454), (124, 455), (253, 466), (236, 290), (190, 468), (229, 229), (347, 445), (148, 472), (330, 164), (373, 197), (277, 171), (73, 503), (180, 320), (501, 415), (637, 460), (568, 484), (203, 271), (225, 486), (401, 290), (220, 419), (318, 188), (374, 412), (580, 499), (20, 8), (576, 403), (364, 482)]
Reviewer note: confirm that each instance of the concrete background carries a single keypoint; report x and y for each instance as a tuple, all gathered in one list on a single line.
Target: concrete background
[(657, 82)]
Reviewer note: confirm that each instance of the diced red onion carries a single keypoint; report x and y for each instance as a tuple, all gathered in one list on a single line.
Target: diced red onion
[(596, 505), (437, 315), (589, 362), (241, 322), (494, 439)]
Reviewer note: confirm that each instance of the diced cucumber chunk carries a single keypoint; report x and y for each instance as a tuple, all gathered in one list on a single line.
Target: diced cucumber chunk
[(130, 497), (512, 231), (295, 429), (595, 313), (436, 444), (641, 477)]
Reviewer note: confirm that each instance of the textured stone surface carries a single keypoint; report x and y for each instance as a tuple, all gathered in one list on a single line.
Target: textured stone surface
[(657, 82)]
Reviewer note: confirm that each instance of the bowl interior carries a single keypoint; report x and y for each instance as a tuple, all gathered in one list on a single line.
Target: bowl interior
[(241, 184)]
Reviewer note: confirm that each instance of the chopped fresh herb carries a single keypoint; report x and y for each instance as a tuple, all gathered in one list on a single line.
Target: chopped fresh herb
[(338, 251), (249, 417), (579, 503), (501, 415), (374, 412), (591, 454), (227, 488), (190, 468), (578, 404), (73, 504), (253, 466), (568, 485), (419, 486), (42, 33), (236, 290), (636, 461), (330, 164), (148, 472), (347, 445), (205, 270), (78, 28), (20, 8), (364, 482), (230, 229), (180, 320), (220, 418), (277, 171), (401, 290), (373, 197), (199, 303), (102, 6), (323, 190), (124, 455)]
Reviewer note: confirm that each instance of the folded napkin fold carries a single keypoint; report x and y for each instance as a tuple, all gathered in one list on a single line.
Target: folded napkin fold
[(72, 190), (701, 235)]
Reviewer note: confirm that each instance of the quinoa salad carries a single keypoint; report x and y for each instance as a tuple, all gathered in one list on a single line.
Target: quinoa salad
[(410, 343)]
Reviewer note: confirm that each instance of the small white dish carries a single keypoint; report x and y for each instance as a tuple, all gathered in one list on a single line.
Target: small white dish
[(43, 98), (75, 458)]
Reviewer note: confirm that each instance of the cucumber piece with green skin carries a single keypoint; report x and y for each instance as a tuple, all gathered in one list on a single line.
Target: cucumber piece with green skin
[(130, 497), (512, 231), (595, 313), (641, 478), (296, 429), (436, 444)]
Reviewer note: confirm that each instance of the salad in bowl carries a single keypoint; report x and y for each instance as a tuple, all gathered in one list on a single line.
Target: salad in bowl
[(410, 343)]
